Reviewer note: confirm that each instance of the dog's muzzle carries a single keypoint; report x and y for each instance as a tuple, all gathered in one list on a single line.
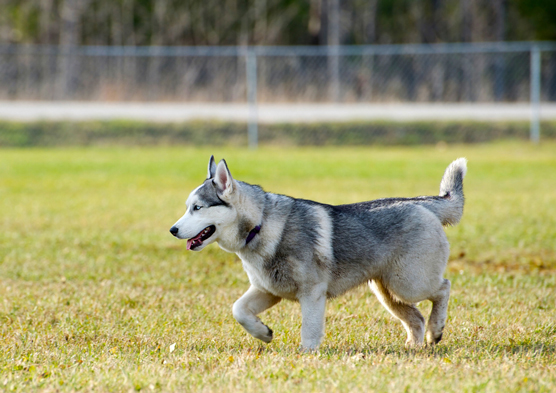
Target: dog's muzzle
[(174, 231)]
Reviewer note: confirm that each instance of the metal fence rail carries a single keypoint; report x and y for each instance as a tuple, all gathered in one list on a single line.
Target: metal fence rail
[(447, 73)]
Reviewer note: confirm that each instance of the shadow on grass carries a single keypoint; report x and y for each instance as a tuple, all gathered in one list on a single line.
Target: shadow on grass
[(477, 350)]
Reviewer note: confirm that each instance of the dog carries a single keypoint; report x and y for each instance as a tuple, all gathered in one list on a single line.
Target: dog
[(309, 252)]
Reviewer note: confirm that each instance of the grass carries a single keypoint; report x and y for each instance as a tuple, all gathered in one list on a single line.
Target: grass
[(197, 133), (95, 294)]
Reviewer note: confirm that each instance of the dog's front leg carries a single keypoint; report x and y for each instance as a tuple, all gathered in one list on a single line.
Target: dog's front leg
[(313, 305), (246, 308)]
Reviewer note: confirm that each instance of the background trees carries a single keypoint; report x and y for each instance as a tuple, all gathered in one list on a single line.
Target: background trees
[(273, 22)]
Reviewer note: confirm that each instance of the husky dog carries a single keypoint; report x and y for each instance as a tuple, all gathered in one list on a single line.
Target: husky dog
[(309, 252)]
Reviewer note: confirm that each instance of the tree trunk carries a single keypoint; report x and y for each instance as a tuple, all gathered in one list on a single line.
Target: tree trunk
[(467, 85), (69, 39), (333, 43), (500, 7)]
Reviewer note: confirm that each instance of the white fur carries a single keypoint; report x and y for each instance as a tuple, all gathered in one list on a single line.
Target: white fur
[(457, 165), (190, 224), (324, 242), (313, 307), (246, 308)]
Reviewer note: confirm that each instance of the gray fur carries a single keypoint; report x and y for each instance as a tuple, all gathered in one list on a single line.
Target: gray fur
[(208, 194), (308, 251), (211, 168)]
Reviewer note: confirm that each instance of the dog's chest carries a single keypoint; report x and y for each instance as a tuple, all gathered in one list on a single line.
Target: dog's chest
[(272, 280)]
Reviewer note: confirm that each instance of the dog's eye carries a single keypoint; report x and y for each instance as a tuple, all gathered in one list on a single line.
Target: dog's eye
[(196, 207)]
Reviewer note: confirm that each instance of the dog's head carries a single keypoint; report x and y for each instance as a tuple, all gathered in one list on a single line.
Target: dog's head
[(210, 208)]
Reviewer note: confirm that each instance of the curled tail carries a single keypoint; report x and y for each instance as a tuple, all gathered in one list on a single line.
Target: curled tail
[(451, 190)]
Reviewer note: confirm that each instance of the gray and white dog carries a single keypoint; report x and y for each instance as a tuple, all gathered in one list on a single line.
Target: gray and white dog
[(309, 252)]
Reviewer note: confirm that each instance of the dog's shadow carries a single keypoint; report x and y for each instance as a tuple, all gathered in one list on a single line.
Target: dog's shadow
[(477, 350), (448, 353)]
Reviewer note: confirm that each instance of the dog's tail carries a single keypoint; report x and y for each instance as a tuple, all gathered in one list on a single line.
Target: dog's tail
[(451, 190)]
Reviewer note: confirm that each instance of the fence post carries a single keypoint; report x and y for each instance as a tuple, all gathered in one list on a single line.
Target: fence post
[(253, 128), (535, 93)]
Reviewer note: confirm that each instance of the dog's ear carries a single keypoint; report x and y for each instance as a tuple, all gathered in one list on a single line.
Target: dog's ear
[(211, 168), (223, 179)]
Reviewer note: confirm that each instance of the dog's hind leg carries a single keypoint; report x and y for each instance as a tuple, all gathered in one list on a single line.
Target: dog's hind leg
[(439, 312), (246, 308), (409, 315)]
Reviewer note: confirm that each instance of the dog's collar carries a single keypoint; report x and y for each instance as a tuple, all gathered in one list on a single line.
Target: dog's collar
[(252, 234)]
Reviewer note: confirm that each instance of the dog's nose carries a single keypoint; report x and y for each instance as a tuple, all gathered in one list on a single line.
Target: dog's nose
[(174, 230)]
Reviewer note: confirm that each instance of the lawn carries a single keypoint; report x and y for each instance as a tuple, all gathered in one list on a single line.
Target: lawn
[(96, 295)]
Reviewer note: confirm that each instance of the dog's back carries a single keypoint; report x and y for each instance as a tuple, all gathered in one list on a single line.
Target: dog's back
[(447, 206)]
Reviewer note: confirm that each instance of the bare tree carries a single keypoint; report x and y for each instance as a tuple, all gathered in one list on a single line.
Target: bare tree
[(367, 10), (69, 38), (500, 9), (333, 40), (468, 81), (45, 22)]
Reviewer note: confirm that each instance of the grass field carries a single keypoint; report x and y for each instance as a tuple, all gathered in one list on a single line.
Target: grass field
[(96, 295)]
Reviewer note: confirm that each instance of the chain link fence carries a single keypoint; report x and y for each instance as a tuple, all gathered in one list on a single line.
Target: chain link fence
[(445, 73)]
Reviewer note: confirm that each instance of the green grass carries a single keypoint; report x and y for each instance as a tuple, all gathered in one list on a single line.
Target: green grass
[(94, 291)]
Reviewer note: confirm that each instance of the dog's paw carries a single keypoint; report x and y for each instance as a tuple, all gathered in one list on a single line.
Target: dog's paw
[(306, 350), (266, 337), (413, 344), (432, 340)]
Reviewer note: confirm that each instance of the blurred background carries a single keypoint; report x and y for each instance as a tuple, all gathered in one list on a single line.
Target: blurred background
[(254, 64)]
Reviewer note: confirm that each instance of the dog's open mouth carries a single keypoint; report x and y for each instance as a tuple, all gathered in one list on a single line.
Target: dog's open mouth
[(202, 236)]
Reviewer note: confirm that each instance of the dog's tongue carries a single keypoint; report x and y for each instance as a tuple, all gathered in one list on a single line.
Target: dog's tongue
[(194, 241)]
